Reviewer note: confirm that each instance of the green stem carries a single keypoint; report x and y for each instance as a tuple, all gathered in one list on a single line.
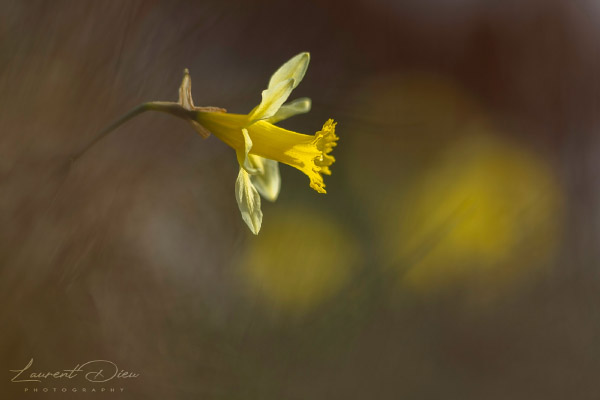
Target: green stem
[(167, 107)]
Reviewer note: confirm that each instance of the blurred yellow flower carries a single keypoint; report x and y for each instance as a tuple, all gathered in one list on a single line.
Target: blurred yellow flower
[(292, 270), (488, 216)]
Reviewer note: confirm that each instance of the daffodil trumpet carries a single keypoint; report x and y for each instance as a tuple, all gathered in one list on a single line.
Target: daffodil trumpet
[(259, 144)]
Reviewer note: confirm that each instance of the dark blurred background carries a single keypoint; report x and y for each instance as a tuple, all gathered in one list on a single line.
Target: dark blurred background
[(455, 255)]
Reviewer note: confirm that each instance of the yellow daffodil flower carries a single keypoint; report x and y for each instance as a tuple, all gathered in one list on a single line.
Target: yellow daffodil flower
[(259, 144)]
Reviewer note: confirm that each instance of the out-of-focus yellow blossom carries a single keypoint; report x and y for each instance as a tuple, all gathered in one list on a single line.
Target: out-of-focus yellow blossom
[(486, 217), (292, 270)]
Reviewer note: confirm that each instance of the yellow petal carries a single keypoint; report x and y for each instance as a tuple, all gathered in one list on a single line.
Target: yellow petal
[(308, 153), (264, 173), (272, 99), (268, 179), (248, 201), (294, 107), (242, 154), (294, 68)]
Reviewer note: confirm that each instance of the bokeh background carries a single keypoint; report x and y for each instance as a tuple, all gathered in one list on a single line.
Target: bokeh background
[(455, 255)]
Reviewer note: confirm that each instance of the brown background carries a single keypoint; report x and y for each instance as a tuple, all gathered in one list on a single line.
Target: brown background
[(138, 255)]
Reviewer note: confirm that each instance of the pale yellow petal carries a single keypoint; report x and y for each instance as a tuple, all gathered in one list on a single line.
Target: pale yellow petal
[(248, 201), (294, 107), (294, 68), (268, 180), (242, 154), (272, 99)]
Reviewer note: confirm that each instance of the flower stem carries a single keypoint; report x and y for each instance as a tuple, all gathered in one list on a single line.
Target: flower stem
[(167, 107)]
